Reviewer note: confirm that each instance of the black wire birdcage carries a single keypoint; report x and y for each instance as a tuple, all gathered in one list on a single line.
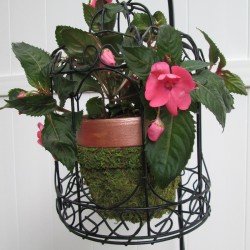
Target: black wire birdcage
[(75, 205)]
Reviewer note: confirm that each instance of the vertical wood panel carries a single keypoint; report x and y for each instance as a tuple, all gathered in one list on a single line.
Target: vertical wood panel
[(181, 13), (27, 25), (226, 22), (33, 181), (248, 26), (4, 38), (62, 12), (225, 155), (247, 232), (9, 236)]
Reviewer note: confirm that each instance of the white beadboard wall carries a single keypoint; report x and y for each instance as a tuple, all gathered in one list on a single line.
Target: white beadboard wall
[(28, 220)]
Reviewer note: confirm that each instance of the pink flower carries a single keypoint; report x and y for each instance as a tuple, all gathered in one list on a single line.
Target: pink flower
[(170, 87), (108, 57), (93, 2), (21, 94), (155, 129), (39, 133)]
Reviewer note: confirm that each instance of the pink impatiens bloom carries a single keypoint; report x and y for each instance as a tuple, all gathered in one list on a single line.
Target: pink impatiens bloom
[(93, 2), (155, 129), (170, 87), (39, 133), (108, 57)]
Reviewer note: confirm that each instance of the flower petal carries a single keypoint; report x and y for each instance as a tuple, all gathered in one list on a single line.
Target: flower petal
[(161, 99), (160, 68), (171, 106), (181, 98), (186, 81)]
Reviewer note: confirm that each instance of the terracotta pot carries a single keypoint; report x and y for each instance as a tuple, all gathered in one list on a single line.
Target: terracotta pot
[(109, 133), (110, 156)]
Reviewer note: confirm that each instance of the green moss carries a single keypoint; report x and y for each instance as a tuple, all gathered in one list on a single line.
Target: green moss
[(112, 174)]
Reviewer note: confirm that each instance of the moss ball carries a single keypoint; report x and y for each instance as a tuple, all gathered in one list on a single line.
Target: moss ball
[(115, 180)]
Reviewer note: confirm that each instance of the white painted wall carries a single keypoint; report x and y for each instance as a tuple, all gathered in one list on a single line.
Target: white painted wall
[(28, 220)]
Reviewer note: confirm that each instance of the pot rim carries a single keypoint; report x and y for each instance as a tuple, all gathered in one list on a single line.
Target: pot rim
[(111, 132)]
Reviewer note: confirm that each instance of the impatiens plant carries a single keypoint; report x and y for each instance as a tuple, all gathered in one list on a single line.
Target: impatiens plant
[(150, 69)]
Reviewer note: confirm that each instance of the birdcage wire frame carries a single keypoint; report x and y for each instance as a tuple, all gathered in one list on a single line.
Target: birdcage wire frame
[(83, 217)]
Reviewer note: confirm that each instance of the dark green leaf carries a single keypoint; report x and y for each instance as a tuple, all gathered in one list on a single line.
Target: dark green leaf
[(159, 19), (33, 61), (169, 155), (59, 138), (140, 60), (169, 43), (34, 105), (109, 17), (114, 8), (115, 40), (214, 52), (76, 41), (89, 12), (222, 62), (94, 107), (86, 84), (58, 34), (141, 21), (192, 65), (234, 83), (213, 94)]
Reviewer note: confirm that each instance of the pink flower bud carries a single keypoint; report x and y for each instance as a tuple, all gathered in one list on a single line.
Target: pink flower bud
[(93, 2), (155, 129), (39, 133), (21, 94), (107, 57)]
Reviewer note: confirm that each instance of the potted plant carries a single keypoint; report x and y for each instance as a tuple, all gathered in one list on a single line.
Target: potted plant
[(144, 79)]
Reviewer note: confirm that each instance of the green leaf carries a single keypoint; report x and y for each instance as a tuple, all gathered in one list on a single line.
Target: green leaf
[(192, 65), (59, 138), (33, 61), (58, 34), (76, 41), (168, 156), (89, 84), (140, 60), (159, 19), (94, 107), (114, 8), (213, 94), (109, 16), (222, 62), (89, 12), (234, 83), (114, 39), (35, 105), (141, 21), (169, 43), (214, 52)]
